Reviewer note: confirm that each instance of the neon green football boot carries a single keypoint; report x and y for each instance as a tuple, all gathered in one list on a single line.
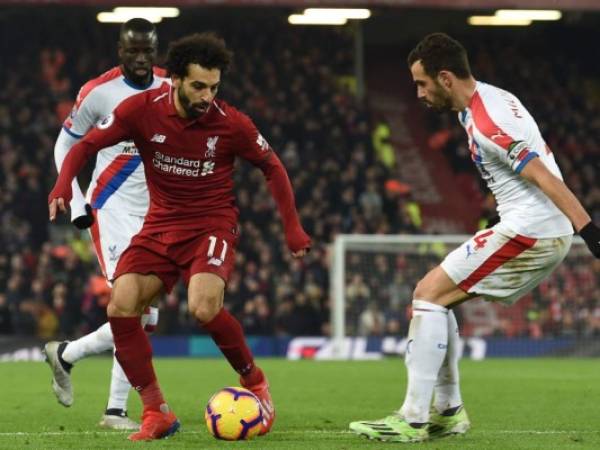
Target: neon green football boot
[(441, 425), (392, 429)]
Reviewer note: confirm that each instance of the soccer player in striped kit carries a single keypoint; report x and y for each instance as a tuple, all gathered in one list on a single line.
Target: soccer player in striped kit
[(537, 213), (115, 206)]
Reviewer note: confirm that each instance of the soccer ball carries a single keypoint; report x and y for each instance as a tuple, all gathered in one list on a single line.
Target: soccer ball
[(233, 414)]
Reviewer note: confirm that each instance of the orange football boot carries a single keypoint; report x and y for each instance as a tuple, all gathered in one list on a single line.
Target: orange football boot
[(156, 425), (261, 390)]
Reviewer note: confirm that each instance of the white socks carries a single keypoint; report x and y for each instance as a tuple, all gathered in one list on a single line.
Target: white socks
[(425, 353), (447, 389), (96, 342), (119, 387)]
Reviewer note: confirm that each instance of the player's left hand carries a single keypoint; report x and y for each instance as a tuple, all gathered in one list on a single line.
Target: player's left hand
[(590, 233), (298, 241), (56, 205), (301, 253)]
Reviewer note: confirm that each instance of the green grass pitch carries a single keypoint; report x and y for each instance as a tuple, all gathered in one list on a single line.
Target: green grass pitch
[(513, 404)]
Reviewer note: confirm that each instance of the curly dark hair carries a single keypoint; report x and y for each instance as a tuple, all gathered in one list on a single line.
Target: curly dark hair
[(438, 51), (206, 49)]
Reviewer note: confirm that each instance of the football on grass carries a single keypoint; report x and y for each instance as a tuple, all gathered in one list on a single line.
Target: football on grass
[(233, 414)]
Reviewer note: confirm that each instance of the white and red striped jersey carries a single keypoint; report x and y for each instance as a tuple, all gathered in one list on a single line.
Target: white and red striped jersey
[(503, 138), (118, 179)]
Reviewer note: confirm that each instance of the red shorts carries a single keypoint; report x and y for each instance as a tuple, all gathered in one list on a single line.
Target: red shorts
[(173, 253)]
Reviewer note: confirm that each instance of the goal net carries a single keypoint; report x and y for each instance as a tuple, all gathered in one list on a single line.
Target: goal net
[(373, 277)]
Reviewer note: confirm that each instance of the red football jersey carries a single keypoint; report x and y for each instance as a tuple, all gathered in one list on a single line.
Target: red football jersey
[(188, 163)]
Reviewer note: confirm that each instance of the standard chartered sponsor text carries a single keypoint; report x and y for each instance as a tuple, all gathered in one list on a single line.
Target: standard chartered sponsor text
[(177, 166)]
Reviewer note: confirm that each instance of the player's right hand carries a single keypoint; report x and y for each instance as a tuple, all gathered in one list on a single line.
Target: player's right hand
[(85, 221), (591, 235), (58, 200), (56, 205)]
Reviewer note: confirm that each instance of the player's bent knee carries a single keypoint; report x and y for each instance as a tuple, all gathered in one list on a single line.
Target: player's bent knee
[(206, 307), (205, 314), (116, 309), (131, 294), (123, 304)]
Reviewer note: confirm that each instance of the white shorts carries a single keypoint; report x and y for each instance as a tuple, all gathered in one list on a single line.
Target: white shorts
[(111, 234), (501, 265)]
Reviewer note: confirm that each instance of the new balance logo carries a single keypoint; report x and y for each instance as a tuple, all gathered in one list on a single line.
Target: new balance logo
[(215, 262), (262, 143), (158, 138)]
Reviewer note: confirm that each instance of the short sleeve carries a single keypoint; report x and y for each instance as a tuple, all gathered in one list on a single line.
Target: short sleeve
[(84, 114), (505, 134), (119, 125)]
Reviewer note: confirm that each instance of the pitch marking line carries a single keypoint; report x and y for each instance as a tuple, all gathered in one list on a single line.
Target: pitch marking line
[(116, 433)]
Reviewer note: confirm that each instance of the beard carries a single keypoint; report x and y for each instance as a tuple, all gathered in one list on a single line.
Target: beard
[(439, 104), (441, 101), (192, 110)]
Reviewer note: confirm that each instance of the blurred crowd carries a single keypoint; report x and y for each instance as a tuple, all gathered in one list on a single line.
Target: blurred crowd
[(294, 84), (558, 85), (291, 83), (379, 287)]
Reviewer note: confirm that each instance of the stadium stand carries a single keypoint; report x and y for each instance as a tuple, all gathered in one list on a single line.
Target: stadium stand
[(344, 177)]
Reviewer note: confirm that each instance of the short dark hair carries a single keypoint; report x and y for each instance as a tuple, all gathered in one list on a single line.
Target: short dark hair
[(438, 51), (137, 25), (206, 49)]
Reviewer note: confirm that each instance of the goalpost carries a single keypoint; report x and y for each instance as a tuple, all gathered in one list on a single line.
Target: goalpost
[(372, 278)]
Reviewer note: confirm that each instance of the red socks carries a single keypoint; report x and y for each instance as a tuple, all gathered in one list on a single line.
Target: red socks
[(254, 377), (227, 333), (134, 353), (152, 397)]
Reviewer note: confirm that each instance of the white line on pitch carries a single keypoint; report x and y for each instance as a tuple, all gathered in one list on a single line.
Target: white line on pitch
[(116, 433)]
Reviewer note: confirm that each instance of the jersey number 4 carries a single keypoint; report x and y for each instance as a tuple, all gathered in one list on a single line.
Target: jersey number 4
[(480, 240)]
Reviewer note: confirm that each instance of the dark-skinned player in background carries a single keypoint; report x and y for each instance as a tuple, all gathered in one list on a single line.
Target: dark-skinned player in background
[(115, 206)]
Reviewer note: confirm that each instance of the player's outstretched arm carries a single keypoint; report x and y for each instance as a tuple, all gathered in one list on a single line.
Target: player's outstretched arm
[(281, 189), (536, 172), (106, 135), (80, 216), (256, 150), (61, 194)]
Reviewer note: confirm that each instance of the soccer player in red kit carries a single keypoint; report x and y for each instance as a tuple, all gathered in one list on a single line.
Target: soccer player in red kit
[(188, 142)]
